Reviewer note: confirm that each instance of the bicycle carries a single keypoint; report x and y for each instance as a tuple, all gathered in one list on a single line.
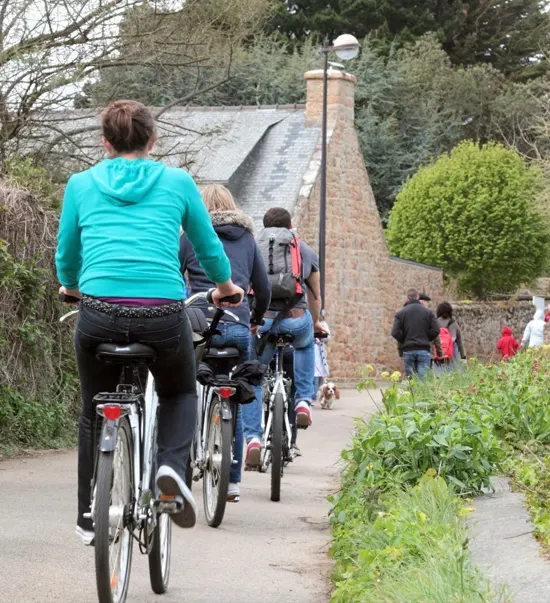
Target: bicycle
[(213, 444), (125, 498), (275, 419), (276, 394)]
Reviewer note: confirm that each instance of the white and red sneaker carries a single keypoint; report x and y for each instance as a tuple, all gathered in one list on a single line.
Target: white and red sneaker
[(303, 415), (253, 453)]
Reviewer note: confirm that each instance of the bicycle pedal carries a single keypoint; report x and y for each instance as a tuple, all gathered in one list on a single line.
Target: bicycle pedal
[(169, 503)]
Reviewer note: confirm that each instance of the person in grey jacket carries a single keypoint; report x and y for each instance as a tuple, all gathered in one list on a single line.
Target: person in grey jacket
[(446, 320)]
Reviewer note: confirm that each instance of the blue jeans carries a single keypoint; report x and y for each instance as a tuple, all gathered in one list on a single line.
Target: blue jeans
[(237, 336), (304, 368), (417, 363)]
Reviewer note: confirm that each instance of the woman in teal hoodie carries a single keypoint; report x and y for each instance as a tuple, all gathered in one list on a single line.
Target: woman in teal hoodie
[(118, 250)]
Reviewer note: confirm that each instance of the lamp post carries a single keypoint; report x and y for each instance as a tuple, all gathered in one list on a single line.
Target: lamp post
[(346, 47)]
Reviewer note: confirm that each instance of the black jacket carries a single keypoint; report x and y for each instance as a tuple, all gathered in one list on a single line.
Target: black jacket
[(415, 327), (234, 229)]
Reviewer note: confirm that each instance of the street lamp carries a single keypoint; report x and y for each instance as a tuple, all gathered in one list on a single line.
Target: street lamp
[(346, 47)]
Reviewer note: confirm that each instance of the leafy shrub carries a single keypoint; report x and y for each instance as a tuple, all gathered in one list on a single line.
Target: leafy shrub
[(415, 433), (38, 385), (473, 213)]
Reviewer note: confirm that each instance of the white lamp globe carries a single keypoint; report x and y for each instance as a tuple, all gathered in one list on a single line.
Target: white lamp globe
[(346, 47)]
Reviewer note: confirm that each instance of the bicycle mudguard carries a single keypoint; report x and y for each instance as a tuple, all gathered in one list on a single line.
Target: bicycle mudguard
[(109, 434), (226, 412)]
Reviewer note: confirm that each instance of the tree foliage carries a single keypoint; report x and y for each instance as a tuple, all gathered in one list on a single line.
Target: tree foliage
[(505, 34), (473, 213), (51, 50), (415, 105)]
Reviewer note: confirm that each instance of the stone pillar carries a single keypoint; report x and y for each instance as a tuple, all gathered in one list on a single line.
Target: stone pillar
[(341, 96)]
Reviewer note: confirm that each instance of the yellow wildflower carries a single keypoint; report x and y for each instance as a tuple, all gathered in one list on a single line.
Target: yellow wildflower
[(385, 375), (395, 376)]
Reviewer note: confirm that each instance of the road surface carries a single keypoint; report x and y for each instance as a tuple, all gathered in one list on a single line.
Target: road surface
[(263, 551)]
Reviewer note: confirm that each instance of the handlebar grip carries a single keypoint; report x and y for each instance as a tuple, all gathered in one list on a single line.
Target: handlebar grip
[(68, 299), (320, 335), (231, 299)]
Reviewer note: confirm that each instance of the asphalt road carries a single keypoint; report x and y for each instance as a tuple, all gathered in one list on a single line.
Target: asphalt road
[(263, 551)]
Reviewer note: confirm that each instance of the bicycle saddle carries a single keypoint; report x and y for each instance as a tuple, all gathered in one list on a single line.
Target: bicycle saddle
[(222, 353), (281, 338), (122, 353)]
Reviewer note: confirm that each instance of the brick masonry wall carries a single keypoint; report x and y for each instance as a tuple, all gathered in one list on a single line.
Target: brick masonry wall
[(481, 325), (364, 285)]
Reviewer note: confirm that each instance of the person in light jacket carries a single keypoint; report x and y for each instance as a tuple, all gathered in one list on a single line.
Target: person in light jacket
[(534, 331)]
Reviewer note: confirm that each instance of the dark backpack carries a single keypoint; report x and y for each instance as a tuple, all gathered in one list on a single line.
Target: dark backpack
[(280, 251)]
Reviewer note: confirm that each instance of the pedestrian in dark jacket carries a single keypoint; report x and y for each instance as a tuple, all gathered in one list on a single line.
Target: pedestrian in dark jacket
[(415, 329), (235, 230)]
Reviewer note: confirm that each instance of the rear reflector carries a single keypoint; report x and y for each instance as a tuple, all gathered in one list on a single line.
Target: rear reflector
[(112, 412), (226, 392)]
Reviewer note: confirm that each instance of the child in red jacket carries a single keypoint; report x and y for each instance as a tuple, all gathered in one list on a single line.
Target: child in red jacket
[(507, 344)]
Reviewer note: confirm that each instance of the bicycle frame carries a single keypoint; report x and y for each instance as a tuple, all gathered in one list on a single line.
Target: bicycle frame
[(276, 383)]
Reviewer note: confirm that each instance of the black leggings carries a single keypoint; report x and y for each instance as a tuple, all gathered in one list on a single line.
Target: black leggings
[(174, 373)]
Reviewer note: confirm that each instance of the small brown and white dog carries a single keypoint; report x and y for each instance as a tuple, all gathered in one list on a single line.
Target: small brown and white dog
[(328, 392)]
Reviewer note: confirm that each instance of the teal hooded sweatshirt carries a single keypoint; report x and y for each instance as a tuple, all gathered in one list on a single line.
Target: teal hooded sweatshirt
[(120, 228)]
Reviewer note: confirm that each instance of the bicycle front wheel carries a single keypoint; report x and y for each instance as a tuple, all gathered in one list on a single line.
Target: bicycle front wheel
[(277, 446), (159, 557), (161, 545), (112, 513), (215, 481)]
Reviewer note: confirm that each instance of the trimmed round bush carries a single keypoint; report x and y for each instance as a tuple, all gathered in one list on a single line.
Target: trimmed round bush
[(474, 214)]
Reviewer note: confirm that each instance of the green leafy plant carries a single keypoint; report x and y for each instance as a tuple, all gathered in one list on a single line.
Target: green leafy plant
[(473, 213)]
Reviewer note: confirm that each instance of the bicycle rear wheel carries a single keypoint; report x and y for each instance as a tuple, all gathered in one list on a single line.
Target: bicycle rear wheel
[(112, 509), (215, 481), (277, 427)]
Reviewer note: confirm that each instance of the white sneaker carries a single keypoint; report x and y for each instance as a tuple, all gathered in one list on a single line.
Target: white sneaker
[(84, 535), (171, 484), (233, 493), (303, 415)]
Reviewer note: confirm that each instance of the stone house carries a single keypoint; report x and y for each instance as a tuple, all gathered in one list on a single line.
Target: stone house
[(271, 156)]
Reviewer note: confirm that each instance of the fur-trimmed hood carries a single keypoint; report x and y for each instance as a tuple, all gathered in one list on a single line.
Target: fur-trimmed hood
[(231, 224)]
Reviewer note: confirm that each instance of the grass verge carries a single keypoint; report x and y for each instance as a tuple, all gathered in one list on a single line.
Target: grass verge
[(411, 546), (456, 431)]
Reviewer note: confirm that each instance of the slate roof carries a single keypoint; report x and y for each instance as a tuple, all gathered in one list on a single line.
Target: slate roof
[(260, 153)]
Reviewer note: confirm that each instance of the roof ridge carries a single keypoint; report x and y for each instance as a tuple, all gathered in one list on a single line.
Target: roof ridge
[(288, 107)]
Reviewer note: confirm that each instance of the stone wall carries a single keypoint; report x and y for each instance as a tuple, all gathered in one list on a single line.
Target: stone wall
[(364, 285), (481, 325)]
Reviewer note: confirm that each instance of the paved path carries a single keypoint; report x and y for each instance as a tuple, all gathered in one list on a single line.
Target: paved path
[(263, 551), (501, 542)]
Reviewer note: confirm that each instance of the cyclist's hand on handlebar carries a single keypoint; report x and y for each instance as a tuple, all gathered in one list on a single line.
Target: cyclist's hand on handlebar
[(320, 327), (69, 292), (227, 290)]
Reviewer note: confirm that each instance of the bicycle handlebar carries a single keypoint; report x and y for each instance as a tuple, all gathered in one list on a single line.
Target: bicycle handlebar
[(230, 299), (321, 335), (68, 299)]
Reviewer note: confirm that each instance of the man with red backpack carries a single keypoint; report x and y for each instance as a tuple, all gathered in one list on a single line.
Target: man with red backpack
[(293, 271)]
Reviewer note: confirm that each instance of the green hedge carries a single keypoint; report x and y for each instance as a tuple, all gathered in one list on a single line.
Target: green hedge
[(38, 383)]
